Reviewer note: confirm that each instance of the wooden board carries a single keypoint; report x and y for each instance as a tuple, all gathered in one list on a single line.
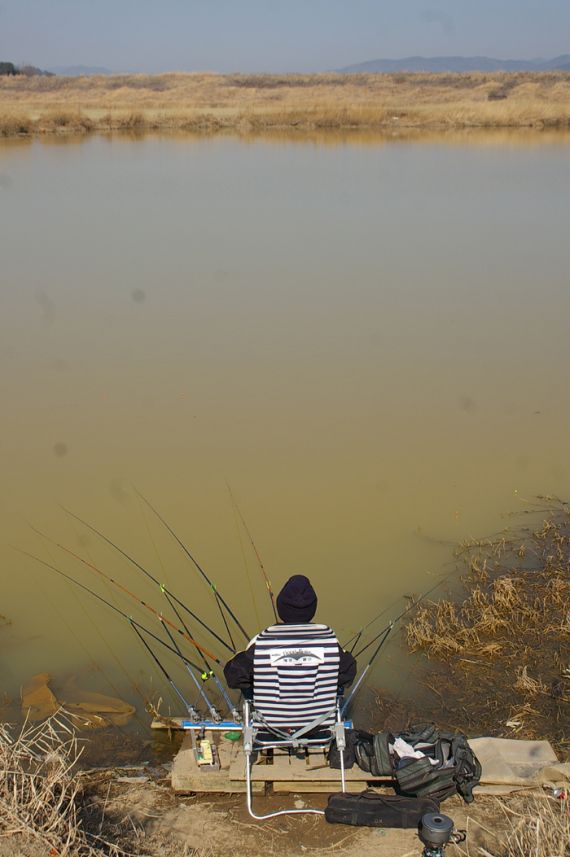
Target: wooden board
[(187, 776), (181, 723), (285, 774), (306, 774), (285, 768)]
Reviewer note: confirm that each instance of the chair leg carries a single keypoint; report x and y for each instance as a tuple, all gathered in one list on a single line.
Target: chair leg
[(340, 738), (248, 742)]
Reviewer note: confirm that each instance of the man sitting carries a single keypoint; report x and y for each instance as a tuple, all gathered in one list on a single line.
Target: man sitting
[(285, 658)]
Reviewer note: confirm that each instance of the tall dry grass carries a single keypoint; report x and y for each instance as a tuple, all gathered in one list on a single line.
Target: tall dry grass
[(503, 648), (40, 796), (536, 827), (259, 102)]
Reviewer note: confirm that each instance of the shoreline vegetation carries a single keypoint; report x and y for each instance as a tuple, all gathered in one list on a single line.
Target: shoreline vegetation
[(497, 653), (204, 102), (50, 806), (494, 660)]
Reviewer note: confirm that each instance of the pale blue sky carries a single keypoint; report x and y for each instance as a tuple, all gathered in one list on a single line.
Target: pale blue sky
[(274, 35)]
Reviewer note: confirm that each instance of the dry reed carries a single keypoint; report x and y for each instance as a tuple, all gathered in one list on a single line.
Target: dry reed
[(33, 105), (503, 648), (39, 795), (538, 827)]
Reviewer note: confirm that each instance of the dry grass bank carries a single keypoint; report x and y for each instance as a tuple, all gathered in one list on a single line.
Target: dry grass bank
[(49, 808), (211, 102), (499, 657), (41, 796)]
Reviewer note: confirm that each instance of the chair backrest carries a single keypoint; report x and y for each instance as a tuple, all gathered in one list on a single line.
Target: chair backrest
[(295, 674)]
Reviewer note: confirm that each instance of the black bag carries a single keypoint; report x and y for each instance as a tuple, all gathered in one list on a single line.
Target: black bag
[(373, 753), (456, 770), (418, 778), (352, 738), (370, 809)]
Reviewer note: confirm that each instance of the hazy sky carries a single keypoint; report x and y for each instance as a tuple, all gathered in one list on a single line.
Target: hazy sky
[(274, 35)]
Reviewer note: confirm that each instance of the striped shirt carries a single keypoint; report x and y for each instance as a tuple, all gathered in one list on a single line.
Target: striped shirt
[(295, 674)]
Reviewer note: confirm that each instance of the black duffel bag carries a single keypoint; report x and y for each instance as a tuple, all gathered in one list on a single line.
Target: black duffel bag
[(370, 809), (352, 738)]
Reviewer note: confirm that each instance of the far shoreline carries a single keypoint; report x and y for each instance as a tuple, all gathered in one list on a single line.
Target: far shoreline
[(210, 103)]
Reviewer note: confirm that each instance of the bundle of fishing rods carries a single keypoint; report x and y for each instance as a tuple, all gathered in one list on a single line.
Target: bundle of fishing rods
[(178, 639)]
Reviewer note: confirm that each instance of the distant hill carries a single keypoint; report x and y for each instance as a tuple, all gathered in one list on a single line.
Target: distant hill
[(79, 70), (459, 64)]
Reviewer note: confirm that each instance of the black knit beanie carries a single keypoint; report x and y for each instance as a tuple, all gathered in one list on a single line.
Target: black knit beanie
[(297, 601)]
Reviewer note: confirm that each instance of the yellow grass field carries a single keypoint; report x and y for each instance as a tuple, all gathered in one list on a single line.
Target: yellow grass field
[(245, 103)]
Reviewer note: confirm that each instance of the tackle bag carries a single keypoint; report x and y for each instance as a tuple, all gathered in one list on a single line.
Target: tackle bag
[(447, 766), (374, 756), (353, 738), (370, 809)]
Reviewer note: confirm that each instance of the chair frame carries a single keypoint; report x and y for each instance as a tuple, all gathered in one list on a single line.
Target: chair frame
[(301, 738)]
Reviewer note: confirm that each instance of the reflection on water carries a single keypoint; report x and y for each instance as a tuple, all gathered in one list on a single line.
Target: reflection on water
[(367, 342)]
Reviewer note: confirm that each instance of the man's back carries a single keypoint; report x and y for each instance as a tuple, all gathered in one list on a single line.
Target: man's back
[(295, 674), (291, 678)]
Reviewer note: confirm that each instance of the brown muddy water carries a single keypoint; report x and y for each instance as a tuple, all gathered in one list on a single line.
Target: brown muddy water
[(369, 343)]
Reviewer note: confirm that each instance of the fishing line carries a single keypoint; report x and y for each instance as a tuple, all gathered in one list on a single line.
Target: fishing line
[(219, 598), (246, 566), (209, 671), (262, 567), (189, 707), (360, 632), (129, 593), (104, 600), (151, 538), (81, 643), (150, 576), (358, 684), (211, 708)]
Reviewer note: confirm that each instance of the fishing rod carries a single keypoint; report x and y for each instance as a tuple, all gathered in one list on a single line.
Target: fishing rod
[(104, 601), (209, 705), (354, 690), (262, 567), (171, 598), (356, 637), (209, 673), (219, 598), (192, 713), (176, 650), (173, 601), (128, 592), (383, 636), (393, 622), (165, 591)]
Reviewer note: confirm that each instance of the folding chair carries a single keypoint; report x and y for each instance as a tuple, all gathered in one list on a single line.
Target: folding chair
[(295, 703)]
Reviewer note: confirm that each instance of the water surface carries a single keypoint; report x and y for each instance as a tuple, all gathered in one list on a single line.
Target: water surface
[(367, 339)]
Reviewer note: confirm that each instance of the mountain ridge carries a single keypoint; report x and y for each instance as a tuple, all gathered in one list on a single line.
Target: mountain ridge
[(79, 70), (457, 64)]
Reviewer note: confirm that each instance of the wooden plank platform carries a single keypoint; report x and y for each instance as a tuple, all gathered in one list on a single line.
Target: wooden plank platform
[(284, 774), (310, 774), (187, 776)]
